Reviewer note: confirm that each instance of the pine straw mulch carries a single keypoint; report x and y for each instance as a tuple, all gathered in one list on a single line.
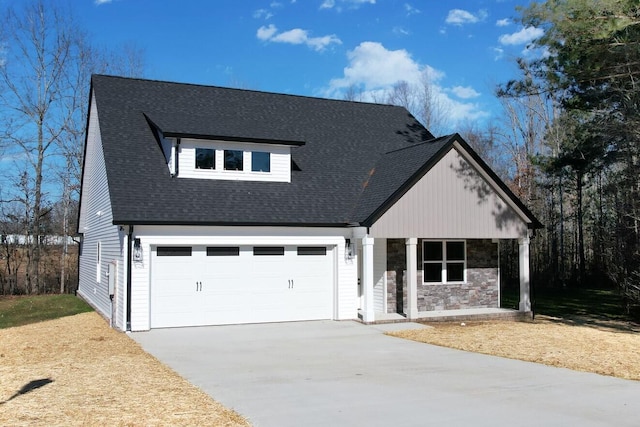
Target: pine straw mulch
[(77, 371), (607, 348)]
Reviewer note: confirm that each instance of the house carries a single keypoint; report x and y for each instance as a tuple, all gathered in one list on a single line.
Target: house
[(206, 206)]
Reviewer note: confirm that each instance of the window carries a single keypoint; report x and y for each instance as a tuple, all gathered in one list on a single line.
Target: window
[(223, 251), (233, 160), (260, 161), (268, 250), (312, 250), (174, 251), (444, 261), (205, 158)]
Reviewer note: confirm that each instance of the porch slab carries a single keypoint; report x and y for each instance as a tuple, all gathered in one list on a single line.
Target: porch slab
[(468, 314)]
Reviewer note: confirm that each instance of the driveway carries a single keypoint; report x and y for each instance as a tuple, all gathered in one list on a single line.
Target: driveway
[(347, 374)]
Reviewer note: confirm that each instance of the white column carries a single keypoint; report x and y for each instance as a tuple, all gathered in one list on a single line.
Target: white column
[(525, 291), (412, 278), (367, 279)]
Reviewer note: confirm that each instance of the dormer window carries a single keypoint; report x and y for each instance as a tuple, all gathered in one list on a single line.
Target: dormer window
[(260, 161), (205, 158), (233, 160)]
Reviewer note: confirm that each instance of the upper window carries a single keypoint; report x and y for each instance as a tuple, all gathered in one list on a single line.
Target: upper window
[(260, 161), (444, 261), (205, 158), (233, 160)]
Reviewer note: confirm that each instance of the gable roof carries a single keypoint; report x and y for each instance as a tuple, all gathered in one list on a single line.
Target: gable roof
[(397, 171), (352, 159), (342, 141)]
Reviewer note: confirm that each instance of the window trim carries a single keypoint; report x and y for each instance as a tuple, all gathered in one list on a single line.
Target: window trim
[(444, 261), (213, 150), (268, 158)]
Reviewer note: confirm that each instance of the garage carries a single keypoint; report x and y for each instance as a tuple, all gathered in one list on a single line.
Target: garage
[(217, 285)]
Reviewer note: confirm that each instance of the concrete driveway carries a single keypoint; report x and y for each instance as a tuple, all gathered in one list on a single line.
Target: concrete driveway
[(348, 374)]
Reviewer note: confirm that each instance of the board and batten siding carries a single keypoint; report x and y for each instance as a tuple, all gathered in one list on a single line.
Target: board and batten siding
[(345, 270), (280, 161), (453, 201), (96, 226)]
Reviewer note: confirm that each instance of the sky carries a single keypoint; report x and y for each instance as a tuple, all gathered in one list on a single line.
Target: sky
[(322, 47)]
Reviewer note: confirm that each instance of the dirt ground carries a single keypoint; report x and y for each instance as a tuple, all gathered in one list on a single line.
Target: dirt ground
[(77, 371), (582, 344)]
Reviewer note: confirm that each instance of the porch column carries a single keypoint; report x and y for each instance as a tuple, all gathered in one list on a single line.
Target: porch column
[(525, 293), (367, 279), (412, 278)]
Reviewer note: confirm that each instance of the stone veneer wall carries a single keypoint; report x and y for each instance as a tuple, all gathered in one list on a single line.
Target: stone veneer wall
[(480, 291)]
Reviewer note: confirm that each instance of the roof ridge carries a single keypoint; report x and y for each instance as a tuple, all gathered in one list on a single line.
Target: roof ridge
[(428, 141), (316, 98)]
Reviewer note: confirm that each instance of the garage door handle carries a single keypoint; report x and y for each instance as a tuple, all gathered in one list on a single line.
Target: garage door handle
[(290, 284), (198, 286)]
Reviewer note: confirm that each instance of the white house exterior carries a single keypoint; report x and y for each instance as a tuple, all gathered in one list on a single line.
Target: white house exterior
[(211, 206)]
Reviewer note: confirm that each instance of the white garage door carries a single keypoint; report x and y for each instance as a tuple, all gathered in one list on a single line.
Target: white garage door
[(198, 285)]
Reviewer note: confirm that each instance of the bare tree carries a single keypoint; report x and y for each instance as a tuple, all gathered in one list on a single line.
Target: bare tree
[(44, 89)]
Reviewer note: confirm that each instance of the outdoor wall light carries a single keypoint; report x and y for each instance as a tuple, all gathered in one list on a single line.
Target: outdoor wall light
[(348, 249), (137, 250)]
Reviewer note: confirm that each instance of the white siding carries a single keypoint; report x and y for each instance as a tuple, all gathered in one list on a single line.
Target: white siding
[(379, 275), (280, 161), (345, 274), (452, 200), (96, 226)]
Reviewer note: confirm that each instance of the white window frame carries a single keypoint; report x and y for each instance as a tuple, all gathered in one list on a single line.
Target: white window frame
[(443, 262)]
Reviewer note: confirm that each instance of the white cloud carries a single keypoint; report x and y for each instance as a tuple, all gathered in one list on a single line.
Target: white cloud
[(296, 36), (262, 14), (523, 36), (374, 70), (461, 17), (100, 2), (327, 4), (503, 22), (330, 4), (410, 9), (401, 31), (465, 92), (499, 53), (266, 33)]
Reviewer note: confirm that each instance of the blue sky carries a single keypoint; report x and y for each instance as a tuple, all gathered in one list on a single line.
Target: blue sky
[(321, 47)]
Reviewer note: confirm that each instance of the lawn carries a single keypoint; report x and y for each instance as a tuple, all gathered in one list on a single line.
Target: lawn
[(22, 310), (579, 329), (75, 371)]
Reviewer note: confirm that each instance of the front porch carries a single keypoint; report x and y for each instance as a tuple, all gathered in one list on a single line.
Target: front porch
[(436, 280)]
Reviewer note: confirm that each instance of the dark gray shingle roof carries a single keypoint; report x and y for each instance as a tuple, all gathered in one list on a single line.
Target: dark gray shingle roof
[(343, 142)]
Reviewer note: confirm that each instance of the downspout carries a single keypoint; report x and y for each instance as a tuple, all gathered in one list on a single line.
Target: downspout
[(129, 256), (177, 156)]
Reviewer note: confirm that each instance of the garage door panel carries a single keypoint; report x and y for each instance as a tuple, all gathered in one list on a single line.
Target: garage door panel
[(242, 284)]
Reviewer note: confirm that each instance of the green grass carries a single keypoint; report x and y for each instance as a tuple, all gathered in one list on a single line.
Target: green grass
[(567, 302), (22, 310)]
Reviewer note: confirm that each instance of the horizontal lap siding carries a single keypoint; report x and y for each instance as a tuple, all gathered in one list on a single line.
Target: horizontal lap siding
[(280, 162), (96, 226)]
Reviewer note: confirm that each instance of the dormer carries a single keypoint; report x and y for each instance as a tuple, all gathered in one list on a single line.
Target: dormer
[(190, 155)]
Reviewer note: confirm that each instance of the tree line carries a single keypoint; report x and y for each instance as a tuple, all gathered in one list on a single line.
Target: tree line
[(566, 141), (46, 62)]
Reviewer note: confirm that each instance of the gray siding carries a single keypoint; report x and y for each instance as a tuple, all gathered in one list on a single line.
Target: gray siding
[(452, 201), (96, 226)]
